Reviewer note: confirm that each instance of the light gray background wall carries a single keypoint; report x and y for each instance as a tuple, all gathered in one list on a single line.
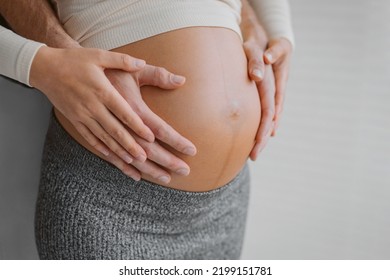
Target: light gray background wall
[(321, 189)]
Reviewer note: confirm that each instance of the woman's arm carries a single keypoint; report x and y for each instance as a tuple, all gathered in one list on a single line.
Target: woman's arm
[(16, 55), (274, 16), (94, 97)]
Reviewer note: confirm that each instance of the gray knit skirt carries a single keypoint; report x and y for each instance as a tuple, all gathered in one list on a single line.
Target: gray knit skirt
[(88, 209)]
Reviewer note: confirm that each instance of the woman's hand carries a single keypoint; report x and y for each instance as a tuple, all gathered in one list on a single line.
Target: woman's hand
[(255, 43), (272, 91), (278, 54), (75, 82), (261, 55), (266, 89)]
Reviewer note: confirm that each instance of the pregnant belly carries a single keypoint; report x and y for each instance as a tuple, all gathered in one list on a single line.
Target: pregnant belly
[(218, 108)]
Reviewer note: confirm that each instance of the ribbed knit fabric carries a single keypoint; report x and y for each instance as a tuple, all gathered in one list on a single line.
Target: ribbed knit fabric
[(274, 16), (16, 55), (88, 209), (114, 23), (108, 24)]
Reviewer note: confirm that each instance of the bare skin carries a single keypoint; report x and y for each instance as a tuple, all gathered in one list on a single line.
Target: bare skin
[(105, 120), (267, 60), (54, 35), (218, 108)]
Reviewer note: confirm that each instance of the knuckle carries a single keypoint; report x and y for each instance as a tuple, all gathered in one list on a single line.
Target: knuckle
[(159, 73), (268, 112), (161, 131), (118, 133), (102, 94), (79, 114), (126, 60), (99, 54), (91, 109), (128, 120), (106, 138), (172, 164), (91, 106)]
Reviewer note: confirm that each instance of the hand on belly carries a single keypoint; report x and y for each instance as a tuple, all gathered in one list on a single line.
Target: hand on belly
[(218, 108)]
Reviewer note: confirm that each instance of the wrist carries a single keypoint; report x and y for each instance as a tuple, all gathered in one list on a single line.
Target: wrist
[(63, 42), (42, 58)]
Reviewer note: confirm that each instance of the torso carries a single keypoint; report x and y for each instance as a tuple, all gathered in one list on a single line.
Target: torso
[(218, 108)]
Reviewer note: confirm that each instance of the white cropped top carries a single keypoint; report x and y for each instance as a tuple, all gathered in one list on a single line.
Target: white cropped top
[(109, 24)]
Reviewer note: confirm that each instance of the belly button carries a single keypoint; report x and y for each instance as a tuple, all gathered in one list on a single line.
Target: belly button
[(234, 110)]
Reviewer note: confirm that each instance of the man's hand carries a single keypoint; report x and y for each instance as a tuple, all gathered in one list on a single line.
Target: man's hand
[(158, 156), (75, 81)]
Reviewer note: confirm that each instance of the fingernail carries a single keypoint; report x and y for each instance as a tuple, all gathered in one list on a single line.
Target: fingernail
[(149, 137), (257, 73), (183, 171), (132, 176), (135, 178), (128, 159), (104, 151), (269, 56), (178, 79), (164, 179), (189, 151), (141, 158), (140, 63)]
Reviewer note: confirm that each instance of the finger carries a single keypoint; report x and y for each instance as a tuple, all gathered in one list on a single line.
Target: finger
[(110, 157), (281, 77), (120, 61), (108, 140), (123, 111), (91, 139), (159, 77), (124, 167), (115, 130), (161, 156), (255, 61), (259, 146), (151, 169), (275, 52), (267, 101), (167, 134)]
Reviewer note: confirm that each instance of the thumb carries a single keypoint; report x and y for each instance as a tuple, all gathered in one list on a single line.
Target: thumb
[(158, 76), (255, 61), (273, 53), (277, 48)]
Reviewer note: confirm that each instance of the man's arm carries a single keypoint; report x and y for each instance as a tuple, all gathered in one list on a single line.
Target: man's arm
[(38, 22), (68, 76)]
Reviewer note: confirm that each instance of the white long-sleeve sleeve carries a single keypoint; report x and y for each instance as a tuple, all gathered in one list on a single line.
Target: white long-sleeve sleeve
[(16, 55), (275, 17)]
